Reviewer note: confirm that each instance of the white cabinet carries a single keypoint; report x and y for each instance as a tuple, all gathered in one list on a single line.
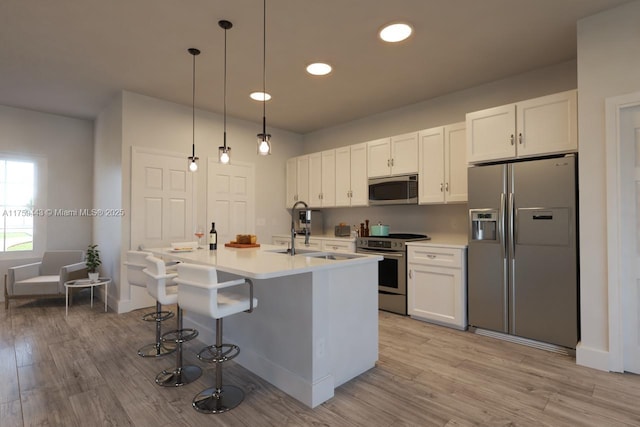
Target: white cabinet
[(297, 180), (351, 175), (292, 182), (322, 179), (437, 285), (544, 125), (325, 244), (442, 176), (339, 245), (393, 156)]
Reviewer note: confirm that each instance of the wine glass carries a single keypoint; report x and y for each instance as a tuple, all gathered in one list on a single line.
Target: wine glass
[(199, 233)]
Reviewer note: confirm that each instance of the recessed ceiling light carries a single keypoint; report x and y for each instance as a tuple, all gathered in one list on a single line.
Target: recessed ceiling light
[(396, 32), (260, 96), (319, 69)]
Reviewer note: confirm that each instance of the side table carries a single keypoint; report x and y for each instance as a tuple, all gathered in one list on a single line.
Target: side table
[(86, 283)]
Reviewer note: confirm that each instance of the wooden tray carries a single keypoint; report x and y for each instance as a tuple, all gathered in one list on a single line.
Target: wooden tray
[(242, 245)]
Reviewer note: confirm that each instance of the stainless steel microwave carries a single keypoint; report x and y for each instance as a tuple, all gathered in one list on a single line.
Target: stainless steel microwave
[(394, 190)]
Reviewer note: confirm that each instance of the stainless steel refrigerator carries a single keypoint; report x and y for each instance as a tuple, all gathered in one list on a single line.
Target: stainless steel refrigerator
[(523, 267)]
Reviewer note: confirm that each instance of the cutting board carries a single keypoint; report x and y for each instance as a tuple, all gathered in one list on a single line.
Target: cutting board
[(242, 245)]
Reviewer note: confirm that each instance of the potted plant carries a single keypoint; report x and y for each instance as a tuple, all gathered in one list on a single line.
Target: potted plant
[(93, 262)]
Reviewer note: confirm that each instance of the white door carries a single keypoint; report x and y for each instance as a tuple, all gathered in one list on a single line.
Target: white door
[(161, 198), (623, 230), (630, 185), (231, 199)]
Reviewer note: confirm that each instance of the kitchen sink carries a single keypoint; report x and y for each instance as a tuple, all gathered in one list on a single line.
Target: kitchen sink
[(333, 256), (298, 251), (318, 254)]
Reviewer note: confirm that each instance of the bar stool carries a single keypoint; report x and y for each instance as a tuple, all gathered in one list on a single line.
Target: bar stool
[(160, 285), (136, 262), (200, 292)]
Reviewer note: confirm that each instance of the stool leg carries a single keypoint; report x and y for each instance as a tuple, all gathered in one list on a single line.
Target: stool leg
[(218, 399), (181, 375), (158, 348)]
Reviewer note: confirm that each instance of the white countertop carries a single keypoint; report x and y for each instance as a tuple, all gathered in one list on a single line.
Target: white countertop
[(444, 241), (262, 262)]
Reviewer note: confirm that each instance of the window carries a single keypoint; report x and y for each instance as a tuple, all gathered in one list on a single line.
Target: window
[(17, 191)]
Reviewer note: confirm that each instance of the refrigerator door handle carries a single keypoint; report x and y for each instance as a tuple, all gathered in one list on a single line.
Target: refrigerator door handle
[(512, 225), (503, 240)]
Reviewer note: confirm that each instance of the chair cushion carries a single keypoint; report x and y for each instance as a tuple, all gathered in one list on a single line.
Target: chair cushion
[(41, 285)]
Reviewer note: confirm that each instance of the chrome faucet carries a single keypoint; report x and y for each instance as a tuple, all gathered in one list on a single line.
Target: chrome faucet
[(292, 251)]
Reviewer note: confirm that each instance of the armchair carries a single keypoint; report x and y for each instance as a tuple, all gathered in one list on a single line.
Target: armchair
[(45, 278)]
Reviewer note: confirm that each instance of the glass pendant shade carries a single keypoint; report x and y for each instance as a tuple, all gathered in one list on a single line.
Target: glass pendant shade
[(264, 144), (224, 154), (193, 166)]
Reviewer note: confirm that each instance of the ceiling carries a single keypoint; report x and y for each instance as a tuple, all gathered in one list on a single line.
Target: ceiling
[(72, 57)]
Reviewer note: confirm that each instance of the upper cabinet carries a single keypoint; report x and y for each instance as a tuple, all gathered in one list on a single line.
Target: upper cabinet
[(393, 156), (351, 175), (322, 179), (442, 177), (545, 125), (297, 180)]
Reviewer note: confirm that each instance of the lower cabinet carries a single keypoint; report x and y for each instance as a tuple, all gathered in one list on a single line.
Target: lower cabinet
[(437, 285), (317, 243), (338, 245)]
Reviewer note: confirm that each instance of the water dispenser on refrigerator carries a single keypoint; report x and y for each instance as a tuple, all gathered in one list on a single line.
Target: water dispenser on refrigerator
[(484, 225)]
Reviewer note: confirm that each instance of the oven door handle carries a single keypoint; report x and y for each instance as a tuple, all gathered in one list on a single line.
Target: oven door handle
[(384, 254)]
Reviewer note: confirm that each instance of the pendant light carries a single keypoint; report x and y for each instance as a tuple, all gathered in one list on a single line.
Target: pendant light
[(224, 151), (264, 139), (193, 165)]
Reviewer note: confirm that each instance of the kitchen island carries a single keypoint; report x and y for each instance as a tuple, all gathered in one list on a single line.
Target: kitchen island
[(316, 323)]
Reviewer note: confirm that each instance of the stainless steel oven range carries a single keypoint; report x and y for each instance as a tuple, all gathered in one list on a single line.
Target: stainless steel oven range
[(392, 270)]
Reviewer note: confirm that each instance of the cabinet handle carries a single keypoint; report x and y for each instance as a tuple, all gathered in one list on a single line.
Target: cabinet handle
[(441, 187), (512, 139), (431, 256), (446, 187), (520, 138), (410, 274)]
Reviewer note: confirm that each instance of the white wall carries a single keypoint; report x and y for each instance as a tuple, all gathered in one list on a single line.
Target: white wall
[(108, 173), (608, 65), (150, 122), (67, 145), (447, 109)]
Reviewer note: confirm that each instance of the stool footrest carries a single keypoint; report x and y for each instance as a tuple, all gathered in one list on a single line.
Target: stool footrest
[(179, 377), (215, 354), (180, 335), (158, 316), (216, 401)]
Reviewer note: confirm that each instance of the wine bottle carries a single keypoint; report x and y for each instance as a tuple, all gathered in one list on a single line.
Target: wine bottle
[(213, 237)]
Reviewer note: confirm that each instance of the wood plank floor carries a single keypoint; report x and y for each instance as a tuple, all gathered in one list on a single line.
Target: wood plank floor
[(83, 370)]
